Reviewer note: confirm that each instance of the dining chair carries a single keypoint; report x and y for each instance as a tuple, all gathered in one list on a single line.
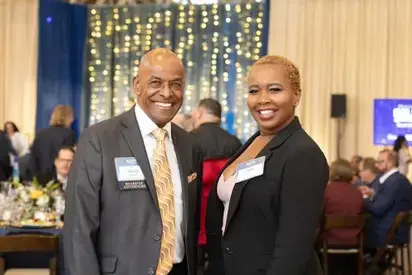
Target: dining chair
[(30, 243), (343, 222)]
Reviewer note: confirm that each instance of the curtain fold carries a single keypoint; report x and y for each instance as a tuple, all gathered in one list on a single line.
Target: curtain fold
[(62, 34), (362, 48), (18, 63)]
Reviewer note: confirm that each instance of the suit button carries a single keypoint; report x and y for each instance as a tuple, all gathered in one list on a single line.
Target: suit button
[(229, 250), (151, 271), (156, 237)]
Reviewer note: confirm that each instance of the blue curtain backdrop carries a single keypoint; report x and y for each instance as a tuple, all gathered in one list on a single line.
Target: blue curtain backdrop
[(217, 43), (62, 34)]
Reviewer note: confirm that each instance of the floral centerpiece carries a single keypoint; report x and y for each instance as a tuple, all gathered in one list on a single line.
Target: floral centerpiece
[(34, 204)]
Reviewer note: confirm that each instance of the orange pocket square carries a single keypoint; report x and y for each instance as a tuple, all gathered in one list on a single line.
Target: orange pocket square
[(192, 177)]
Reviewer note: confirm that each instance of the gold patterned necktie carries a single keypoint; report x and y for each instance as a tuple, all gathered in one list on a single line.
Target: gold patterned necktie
[(165, 197)]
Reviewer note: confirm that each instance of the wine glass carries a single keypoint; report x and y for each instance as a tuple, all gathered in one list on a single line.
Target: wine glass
[(59, 208)]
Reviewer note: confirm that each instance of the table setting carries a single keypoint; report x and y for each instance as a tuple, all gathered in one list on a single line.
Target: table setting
[(31, 208), (31, 205)]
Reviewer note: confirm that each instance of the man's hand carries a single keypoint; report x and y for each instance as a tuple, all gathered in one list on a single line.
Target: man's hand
[(367, 192)]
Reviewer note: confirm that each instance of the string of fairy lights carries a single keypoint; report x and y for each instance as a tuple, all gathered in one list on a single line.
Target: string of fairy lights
[(217, 43)]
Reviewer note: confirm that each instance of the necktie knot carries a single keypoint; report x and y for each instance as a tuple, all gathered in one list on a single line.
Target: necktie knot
[(159, 134)]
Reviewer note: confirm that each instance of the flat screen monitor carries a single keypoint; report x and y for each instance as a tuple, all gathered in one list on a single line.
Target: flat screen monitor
[(392, 117)]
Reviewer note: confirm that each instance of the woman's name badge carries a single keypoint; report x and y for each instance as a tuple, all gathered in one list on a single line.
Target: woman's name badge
[(127, 169), (250, 169)]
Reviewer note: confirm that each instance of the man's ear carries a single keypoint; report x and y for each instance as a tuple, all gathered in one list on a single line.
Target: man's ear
[(136, 86), (200, 113)]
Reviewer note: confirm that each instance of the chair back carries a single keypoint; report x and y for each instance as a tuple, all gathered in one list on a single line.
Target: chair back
[(343, 222), (30, 243), (400, 218)]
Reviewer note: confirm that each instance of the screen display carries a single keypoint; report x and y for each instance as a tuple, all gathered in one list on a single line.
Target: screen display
[(392, 117)]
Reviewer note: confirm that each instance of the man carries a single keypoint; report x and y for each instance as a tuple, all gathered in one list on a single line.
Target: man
[(215, 142), (354, 162), (218, 146), (392, 195), (133, 190), (62, 165), (368, 172)]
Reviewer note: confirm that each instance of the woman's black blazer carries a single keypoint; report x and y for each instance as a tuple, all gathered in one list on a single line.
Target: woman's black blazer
[(273, 218)]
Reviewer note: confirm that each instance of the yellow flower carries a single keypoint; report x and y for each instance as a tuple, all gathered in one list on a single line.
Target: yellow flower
[(35, 194)]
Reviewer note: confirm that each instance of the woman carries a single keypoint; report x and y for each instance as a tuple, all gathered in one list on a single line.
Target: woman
[(264, 212), (342, 198), (401, 147), (48, 141), (18, 140)]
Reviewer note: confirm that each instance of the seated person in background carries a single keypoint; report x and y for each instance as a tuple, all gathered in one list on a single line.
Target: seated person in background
[(217, 147), (369, 172), (392, 195), (62, 164), (354, 163), (342, 198)]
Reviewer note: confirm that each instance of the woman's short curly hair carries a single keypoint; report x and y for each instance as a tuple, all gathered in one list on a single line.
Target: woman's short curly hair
[(291, 70)]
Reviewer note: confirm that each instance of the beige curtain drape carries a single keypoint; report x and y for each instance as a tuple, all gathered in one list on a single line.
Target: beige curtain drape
[(362, 48), (18, 63)]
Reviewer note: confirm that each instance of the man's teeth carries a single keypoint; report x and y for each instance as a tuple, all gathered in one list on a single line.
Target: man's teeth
[(266, 112), (163, 105)]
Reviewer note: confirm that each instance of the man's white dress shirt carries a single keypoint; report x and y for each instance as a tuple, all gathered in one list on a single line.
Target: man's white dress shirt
[(147, 126)]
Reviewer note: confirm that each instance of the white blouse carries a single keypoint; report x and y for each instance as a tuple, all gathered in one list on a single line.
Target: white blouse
[(224, 192), (20, 143)]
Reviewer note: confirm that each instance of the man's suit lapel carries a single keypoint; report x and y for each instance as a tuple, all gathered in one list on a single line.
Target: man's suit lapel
[(386, 183), (267, 151), (134, 140), (183, 155)]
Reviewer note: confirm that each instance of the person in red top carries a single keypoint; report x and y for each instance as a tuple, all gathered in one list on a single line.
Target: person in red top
[(217, 147), (342, 198)]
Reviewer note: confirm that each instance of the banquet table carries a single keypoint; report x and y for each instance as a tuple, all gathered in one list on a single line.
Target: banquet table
[(31, 259)]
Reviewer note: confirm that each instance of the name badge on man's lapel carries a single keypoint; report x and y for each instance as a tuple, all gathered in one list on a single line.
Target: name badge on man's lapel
[(250, 169), (129, 174)]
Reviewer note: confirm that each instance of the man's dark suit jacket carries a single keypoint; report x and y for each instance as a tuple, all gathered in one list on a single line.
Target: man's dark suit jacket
[(215, 142), (394, 195), (109, 231), (273, 218), (46, 145)]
